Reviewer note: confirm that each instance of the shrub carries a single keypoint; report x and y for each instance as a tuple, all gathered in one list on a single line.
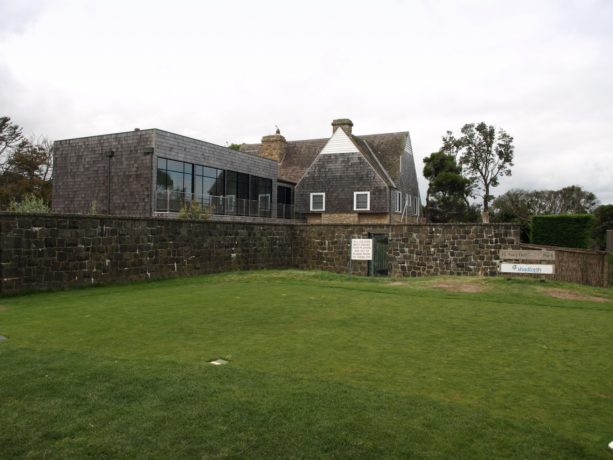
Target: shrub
[(193, 211), (571, 231), (29, 204)]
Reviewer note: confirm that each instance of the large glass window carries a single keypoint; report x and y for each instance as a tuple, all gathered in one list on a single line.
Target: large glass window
[(222, 192), (261, 195), (174, 184)]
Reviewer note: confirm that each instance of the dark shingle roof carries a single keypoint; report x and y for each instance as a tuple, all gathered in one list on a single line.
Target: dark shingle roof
[(382, 151), (388, 148)]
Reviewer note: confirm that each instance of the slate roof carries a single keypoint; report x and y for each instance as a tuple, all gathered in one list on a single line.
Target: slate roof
[(382, 151)]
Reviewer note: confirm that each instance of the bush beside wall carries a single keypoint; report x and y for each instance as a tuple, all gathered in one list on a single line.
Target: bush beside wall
[(570, 231)]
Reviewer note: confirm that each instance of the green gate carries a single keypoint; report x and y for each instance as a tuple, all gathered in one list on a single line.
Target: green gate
[(378, 265)]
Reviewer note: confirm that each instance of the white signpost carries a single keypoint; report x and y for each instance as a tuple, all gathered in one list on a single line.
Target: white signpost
[(361, 249), (535, 269), (523, 255)]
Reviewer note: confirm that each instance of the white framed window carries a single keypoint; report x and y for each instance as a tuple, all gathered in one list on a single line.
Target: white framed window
[(361, 201), (397, 201), (408, 205), (318, 202)]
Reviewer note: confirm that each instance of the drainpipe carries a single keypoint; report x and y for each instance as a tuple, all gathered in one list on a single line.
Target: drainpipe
[(110, 154)]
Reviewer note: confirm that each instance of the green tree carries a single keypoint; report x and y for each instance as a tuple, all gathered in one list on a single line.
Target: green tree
[(236, 147), (448, 191), (11, 136), (520, 205), (515, 206), (25, 165), (486, 156)]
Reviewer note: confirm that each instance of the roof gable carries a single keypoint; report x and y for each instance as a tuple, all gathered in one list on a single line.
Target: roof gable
[(339, 143), (382, 151)]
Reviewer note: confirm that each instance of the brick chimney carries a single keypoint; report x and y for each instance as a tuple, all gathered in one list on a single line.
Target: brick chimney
[(344, 123), (273, 146)]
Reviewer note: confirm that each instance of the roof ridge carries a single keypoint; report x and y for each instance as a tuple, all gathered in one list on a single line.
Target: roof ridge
[(324, 139)]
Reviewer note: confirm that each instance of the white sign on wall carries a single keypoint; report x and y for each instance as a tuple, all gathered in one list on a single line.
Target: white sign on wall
[(527, 268), (361, 249)]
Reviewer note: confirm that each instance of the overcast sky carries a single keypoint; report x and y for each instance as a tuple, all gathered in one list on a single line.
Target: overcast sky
[(229, 71)]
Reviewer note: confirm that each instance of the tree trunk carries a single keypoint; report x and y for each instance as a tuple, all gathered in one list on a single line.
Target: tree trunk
[(485, 215)]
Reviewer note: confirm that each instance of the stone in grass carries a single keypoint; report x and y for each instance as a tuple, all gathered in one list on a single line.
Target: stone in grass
[(218, 362), (3, 338)]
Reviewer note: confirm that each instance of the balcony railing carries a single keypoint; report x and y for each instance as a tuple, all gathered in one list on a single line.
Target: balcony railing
[(174, 201)]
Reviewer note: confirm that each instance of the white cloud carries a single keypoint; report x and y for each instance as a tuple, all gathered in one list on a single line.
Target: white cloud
[(230, 71)]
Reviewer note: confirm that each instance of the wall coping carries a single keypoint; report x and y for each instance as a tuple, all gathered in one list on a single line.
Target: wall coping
[(563, 249), (221, 222)]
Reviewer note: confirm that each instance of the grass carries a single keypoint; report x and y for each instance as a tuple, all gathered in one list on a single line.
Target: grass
[(320, 366)]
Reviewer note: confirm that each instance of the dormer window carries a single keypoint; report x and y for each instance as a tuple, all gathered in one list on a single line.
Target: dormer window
[(361, 201)]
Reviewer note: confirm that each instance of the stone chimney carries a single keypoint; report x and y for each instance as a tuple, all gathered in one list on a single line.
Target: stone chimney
[(273, 147), (344, 123)]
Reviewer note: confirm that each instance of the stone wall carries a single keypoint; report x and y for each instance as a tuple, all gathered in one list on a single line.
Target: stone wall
[(50, 251), (413, 250), (58, 251)]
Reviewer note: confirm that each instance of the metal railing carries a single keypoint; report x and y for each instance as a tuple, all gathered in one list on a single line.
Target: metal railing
[(174, 201)]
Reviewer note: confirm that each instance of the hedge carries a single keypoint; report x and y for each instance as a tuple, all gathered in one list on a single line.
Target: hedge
[(571, 231)]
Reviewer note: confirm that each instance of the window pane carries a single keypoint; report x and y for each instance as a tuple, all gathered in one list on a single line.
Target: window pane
[(187, 168), (162, 163), (198, 170), (220, 182), (162, 180), (209, 186), (187, 183), (230, 183), (198, 186), (175, 180), (175, 166), (361, 201), (318, 202), (209, 172), (242, 189)]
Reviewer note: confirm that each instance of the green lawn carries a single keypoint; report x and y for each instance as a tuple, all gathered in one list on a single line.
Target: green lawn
[(319, 366)]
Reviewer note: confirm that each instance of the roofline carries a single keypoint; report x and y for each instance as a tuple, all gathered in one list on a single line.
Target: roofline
[(324, 139), (107, 134), (154, 130)]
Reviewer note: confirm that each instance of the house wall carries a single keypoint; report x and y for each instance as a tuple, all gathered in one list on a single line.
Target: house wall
[(407, 180), (81, 174), (81, 169), (339, 175), (60, 251)]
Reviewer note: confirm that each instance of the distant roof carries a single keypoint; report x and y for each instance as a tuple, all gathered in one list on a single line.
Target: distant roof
[(382, 151)]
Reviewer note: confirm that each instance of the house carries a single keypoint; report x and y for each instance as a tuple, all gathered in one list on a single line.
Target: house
[(341, 179), (155, 173), (345, 178)]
